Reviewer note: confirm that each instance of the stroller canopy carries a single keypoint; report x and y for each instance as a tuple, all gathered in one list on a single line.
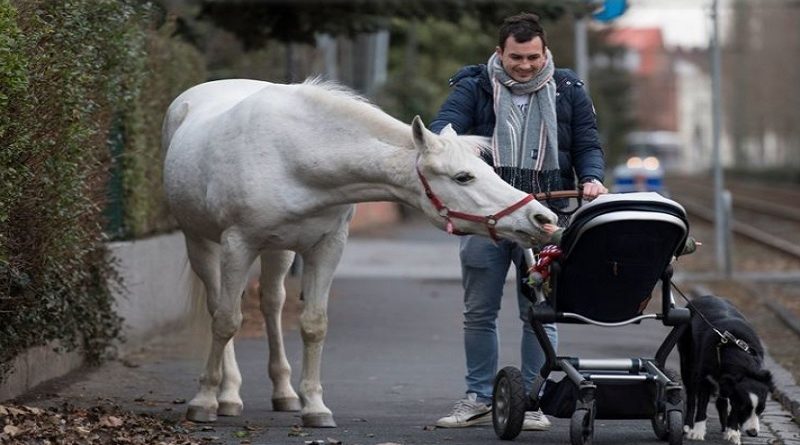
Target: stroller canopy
[(614, 251)]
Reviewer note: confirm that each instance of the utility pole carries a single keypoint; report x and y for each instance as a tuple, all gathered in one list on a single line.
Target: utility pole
[(722, 198)]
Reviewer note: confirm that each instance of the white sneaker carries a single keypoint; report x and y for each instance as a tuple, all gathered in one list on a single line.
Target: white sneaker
[(536, 421), (467, 412)]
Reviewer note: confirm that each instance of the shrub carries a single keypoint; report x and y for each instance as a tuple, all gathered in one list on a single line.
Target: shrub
[(69, 72)]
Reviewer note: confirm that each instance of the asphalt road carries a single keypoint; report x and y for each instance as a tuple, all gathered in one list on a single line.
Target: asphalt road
[(393, 360)]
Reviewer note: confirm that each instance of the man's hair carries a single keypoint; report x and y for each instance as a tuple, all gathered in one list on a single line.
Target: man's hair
[(524, 27)]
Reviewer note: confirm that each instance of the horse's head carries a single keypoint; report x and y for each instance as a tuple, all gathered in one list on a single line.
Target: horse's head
[(466, 192)]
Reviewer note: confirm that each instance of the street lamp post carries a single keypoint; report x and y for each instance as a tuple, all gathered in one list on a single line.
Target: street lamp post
[(722, 199)]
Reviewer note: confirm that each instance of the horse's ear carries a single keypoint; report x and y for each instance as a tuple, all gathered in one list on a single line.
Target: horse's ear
[(448, 131), (420, 133)]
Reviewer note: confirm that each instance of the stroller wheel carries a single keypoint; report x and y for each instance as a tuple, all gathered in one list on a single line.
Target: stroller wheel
[(675, 427), (659, 422), (508, 403), (581, 427), (661, 419)]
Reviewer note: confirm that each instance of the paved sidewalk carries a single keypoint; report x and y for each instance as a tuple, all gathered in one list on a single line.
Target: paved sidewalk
[(393, 360), (416, 250)]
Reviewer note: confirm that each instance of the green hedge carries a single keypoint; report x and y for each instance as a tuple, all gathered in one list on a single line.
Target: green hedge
[(173, 66), (69, 70)]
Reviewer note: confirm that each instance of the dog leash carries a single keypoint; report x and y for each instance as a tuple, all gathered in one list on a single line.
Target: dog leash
[(725, 337)]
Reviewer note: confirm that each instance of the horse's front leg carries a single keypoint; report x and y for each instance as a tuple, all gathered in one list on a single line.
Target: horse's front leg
[(225, 308), (274, 266), (318, 267)]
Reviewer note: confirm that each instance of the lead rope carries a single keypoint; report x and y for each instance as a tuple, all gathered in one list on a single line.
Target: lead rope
[(724, 336)]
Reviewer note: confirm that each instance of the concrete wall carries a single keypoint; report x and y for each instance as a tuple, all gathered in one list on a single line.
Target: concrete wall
[(155, 300)]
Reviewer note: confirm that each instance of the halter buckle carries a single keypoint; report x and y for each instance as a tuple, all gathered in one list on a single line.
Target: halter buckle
[(444, 212), (490, 220)]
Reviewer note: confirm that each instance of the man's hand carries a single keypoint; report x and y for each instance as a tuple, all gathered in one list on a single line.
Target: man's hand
[(593, 188)]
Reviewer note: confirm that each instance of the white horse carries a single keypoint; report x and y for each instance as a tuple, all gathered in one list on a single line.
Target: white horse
[(258, 169)]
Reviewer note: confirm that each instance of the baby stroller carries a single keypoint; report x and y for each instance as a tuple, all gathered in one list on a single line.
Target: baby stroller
[(612, 254)]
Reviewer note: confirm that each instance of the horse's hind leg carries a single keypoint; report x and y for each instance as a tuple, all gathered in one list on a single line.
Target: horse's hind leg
[(230, 402), (204, 259), (224, 305), (274, 266)]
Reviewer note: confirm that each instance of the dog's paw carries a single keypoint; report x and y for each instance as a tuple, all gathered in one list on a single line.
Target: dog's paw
[(696, 433), (732, 436)]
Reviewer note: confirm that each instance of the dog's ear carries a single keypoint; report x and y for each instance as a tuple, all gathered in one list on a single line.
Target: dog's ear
[(765, 377)]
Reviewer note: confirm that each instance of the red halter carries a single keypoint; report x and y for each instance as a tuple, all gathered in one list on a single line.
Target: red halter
[(490, 221)]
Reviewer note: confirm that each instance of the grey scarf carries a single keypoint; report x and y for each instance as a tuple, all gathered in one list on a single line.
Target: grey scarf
[(525, 146)]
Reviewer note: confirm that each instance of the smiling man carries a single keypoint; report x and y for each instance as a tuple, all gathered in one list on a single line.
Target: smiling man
[(544, 135)]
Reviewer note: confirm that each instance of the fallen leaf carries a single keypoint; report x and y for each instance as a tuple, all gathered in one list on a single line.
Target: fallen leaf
[(179, 401), (90, 426), (11, 430), (16, 411), (129, 364), (332, 441), (297, 431), (241, 434), (34, 410), (111, 421)]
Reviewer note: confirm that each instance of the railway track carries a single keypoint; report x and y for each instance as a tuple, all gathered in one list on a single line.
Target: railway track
[(768, 216), (766, 281)]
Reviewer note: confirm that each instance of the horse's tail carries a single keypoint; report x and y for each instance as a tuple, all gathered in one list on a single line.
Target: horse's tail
[(198, 322), (176, 114)]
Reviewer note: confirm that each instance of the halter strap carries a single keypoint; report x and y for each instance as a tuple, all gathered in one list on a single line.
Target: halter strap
[(490, 221)]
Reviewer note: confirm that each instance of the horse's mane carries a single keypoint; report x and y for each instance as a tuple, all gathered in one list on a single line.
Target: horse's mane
[(349, 103)]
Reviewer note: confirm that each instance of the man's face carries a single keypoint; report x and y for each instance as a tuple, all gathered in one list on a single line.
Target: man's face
[(522, 60)]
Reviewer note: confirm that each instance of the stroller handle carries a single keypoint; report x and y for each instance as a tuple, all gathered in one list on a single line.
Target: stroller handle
[(562, 194)]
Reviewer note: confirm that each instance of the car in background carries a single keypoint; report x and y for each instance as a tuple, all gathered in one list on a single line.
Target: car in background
[(648, 154)]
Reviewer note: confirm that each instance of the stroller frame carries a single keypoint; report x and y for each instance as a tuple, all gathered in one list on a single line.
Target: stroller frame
[(592, 377)]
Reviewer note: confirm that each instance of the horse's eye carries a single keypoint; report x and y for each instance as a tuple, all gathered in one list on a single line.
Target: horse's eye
[(463, 178)]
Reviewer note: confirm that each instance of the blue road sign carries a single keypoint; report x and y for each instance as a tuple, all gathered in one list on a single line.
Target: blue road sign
[(611, 9)]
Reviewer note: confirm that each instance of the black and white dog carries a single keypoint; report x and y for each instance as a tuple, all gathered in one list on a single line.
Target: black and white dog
[(728, 364)]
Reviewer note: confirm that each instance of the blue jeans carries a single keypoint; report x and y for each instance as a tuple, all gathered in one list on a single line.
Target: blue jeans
[(484, 266)]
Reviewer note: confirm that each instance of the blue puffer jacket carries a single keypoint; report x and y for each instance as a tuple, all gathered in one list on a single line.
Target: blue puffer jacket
[(470, 110)]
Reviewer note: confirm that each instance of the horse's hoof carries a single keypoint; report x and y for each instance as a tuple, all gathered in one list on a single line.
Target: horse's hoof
[(318, 421), (230, 409), (201, 414), (286, 404)]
